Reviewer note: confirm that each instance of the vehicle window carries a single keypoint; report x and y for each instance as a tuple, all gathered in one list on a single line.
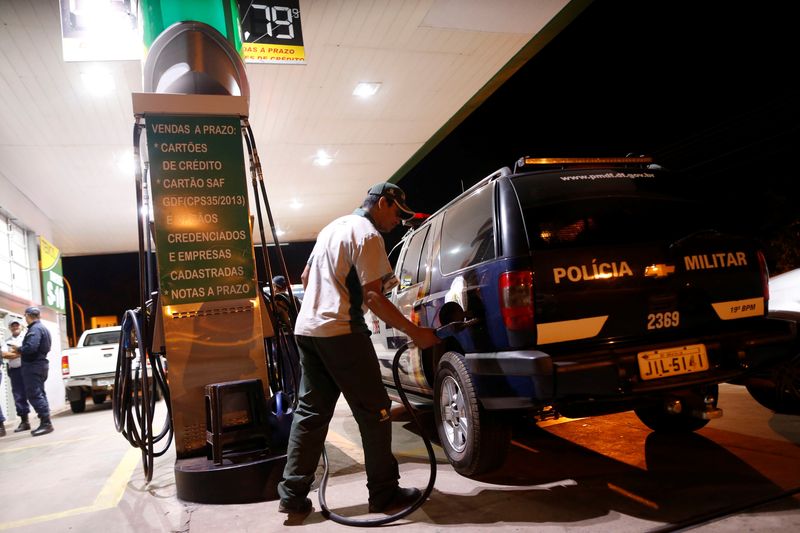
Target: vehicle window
[(409, 271), (106, 337), (468, 232), (563, 212), (426, 261)]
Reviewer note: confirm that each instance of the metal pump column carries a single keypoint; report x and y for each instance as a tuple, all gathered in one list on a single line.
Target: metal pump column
[(212, 319)]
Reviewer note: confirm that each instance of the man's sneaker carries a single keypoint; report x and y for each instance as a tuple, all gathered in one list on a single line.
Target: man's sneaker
[(295, 506), (402, 498)]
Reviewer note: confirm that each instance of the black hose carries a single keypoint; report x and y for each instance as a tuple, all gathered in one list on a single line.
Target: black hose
[(431, 458), (134, 395), (279, 348), (258, 176)]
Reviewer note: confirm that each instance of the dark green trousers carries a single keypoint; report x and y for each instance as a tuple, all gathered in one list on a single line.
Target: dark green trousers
[(345, 364)]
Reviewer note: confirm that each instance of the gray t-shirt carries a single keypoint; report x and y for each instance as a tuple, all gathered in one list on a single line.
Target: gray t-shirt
[(349, 253)]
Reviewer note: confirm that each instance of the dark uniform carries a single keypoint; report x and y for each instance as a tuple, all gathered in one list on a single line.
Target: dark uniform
[(35, 367)]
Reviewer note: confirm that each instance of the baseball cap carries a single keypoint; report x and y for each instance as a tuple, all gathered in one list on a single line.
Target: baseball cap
[(33, 311), (390, 190), (14, 322), (279, 281)]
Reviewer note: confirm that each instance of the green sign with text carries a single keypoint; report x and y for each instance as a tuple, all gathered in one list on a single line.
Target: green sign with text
[(52, 276), (200, 208)]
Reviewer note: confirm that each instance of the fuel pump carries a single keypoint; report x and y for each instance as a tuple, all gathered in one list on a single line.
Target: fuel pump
[(232, 374)]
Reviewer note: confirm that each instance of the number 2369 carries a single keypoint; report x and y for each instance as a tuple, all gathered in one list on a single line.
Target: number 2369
[(670, 319)]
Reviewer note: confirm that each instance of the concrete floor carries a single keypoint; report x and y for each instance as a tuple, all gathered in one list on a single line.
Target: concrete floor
[(595, 474)]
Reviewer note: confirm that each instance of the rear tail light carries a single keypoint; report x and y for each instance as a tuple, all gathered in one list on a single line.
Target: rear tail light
[(762, 266), (516, 299), (65, 365)]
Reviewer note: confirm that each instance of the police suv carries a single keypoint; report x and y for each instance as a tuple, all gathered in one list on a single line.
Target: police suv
[(589, 288)]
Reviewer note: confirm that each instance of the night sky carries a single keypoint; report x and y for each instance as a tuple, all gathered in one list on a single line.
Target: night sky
[(703, 87)]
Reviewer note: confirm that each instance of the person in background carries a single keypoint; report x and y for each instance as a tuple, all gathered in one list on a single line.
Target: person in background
[(348, 268), (2, 416), (11, 354), (284, 300), (35, 366)]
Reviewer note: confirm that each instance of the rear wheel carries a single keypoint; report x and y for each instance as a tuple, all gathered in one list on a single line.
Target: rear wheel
[(99, 397), (779, 388), (473, 442), (78, 406), (658, 418)]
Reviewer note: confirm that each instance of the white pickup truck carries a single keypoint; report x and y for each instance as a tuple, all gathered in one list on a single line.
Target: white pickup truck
[(88, 369)]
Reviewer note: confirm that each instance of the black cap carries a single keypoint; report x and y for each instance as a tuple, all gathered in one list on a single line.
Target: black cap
[(279, 281), (390, 190), (33, 311)]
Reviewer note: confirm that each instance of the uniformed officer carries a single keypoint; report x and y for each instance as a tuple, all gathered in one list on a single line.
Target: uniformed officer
[(348, 268), (34, 350)]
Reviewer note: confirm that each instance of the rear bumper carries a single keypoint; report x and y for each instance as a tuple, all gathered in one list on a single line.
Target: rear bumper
[(94, 381), (524, 379)]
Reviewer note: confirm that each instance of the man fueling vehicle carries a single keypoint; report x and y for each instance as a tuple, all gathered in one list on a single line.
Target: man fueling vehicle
[(347, 270)]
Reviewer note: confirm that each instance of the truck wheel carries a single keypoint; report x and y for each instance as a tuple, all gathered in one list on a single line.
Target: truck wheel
[(98, 398), (766, 393), (473, 442), (779, 388), (657, 418), (78, 406)]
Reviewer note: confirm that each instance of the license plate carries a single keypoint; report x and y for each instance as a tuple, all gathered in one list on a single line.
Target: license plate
[(105, 382), (670, 362)]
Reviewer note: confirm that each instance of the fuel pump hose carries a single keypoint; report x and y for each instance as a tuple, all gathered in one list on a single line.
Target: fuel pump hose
[(135, 392), (431, 458)]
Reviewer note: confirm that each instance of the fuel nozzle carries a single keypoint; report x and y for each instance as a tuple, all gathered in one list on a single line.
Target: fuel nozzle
[(451, 329)]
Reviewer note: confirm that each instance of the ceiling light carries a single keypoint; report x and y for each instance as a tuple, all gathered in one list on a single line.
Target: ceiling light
[(126, 163), (365, 89), (295, 204), (98, 82), (279, 232), (322, 159), (100, 30)]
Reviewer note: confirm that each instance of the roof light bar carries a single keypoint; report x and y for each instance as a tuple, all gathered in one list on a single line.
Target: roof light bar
[(583, 160)]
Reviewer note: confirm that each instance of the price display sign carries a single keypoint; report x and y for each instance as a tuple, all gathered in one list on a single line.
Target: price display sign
[(271, 31), (200, 209)]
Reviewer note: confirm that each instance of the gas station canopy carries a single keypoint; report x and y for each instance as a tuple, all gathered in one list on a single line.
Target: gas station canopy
[(66, 127)]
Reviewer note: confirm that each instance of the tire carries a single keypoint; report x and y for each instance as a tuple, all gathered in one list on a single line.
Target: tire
[(98, 398), (78, 406), (778, 389), (657, 418), (473, 442), (766, 393)]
